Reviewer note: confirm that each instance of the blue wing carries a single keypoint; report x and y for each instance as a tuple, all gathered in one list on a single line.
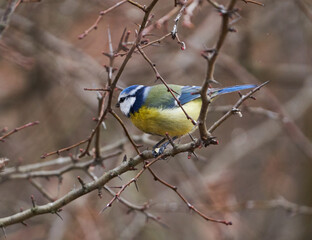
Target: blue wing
[(189, 93), (218, 91)]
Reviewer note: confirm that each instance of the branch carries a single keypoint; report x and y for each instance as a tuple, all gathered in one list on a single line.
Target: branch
[(304, 8), (159, 77), (102, 13), (235, 107), (190, 206), (120, 71), (211, 60), (18, 129), (59, 172), (5, 19), (94, 185)]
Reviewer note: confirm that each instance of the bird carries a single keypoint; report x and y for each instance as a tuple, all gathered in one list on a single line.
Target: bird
[(154, 110)]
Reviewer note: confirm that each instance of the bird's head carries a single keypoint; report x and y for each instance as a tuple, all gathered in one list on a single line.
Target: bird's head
[(131, 99)]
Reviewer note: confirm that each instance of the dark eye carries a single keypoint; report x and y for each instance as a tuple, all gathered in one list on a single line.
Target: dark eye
[(122, 99)]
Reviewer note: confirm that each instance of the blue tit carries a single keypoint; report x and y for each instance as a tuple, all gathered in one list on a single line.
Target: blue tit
[(153, 109)]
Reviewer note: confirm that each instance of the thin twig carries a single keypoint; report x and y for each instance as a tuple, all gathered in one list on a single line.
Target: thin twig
[(102, 13), (18, 129), (211, 60), (158, 76), (120, 71), (41, 189), (254, 2), (126, 131), (235, 107), (304, 8), (5, 19), (189, 205)]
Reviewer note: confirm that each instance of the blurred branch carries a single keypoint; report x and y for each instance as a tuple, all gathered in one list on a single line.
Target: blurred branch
[(253, 2), (41, 189), (25, 169), (75, 164), (295, 134), (256, 137), (5, 19), (304, 8), (253, 110), (280, 202), (3, 163)]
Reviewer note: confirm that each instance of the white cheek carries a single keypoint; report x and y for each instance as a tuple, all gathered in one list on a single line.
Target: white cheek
[(126, 105)]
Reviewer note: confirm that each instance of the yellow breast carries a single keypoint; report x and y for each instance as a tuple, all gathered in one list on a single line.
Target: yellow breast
[(172, 121)]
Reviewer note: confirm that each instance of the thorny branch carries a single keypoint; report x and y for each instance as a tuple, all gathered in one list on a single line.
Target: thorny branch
[(189, 205), (105, 103), (94, 185), (159, 77), (211, 60), (112, 86), (5, 19), (235, 108)]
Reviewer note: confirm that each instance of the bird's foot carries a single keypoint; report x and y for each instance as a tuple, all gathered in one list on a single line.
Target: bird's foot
[(158, 150)]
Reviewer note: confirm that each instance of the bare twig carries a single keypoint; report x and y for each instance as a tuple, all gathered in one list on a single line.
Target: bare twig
[(189, 205), (5, 19), (254, 2), (280, 202), (304, 8), (59, 172), (211, 60), (3, 163), (18, 129), (102, 13), (158, 76), (41, 189), (126, 131), (120, 71), (235, 108)]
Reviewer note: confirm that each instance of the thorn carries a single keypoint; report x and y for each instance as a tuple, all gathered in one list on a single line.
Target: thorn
[(33, 200), (25, 224), (81, 182), (232, 29), (214, 81), (136, 186), (57, 214), (100, 192)]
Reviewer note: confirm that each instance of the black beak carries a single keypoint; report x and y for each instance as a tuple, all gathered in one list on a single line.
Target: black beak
[(118, 104)]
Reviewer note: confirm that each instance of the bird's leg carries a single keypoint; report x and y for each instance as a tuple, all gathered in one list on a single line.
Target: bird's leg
[(158, 149)]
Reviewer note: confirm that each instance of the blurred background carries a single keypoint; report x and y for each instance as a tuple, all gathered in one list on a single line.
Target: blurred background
[(258, 177)]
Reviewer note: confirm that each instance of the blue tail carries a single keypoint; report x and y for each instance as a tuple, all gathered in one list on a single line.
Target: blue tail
[(216, 92)]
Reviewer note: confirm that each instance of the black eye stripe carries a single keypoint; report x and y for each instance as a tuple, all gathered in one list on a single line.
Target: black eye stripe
[(122, 99)]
